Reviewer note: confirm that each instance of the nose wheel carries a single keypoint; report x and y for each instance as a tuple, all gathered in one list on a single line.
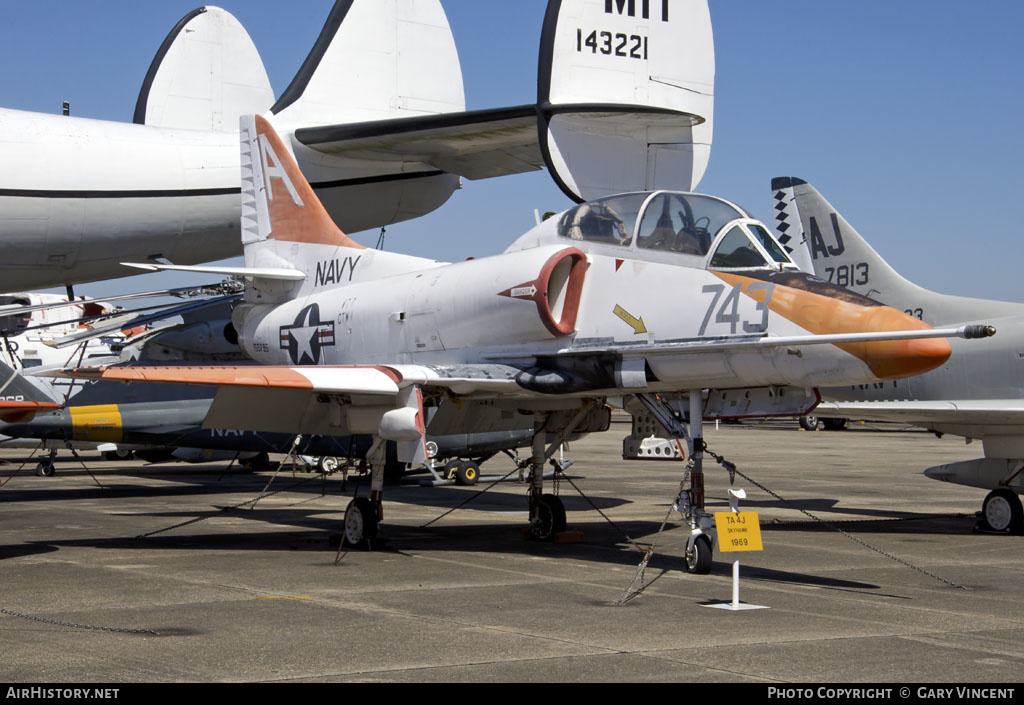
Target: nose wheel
[(549, 520), (698, 556)]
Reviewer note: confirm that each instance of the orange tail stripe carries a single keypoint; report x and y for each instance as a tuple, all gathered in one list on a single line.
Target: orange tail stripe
[(308, 222)]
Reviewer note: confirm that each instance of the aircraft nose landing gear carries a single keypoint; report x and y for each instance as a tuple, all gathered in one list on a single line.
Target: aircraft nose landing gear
[(698, 554), (700, 544), (690, 502), (549, 518)]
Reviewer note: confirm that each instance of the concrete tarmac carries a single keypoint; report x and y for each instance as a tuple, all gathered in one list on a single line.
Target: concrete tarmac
[(906, 592)]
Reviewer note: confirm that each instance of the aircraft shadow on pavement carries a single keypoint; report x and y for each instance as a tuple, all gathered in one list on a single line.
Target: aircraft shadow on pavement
[(51, 489), (193, 481), (866, 520), (603, 544)]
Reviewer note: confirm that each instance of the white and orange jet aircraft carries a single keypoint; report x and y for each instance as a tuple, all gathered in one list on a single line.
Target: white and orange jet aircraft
[(652, 297)]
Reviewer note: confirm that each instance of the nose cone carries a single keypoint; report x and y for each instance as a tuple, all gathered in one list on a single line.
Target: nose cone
[(892, 359), (826, 309)]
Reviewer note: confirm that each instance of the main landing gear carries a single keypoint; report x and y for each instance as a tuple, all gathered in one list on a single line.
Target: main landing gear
[(1002, 512), (361, 520), (363, 515), (547, 513), (48, 466)]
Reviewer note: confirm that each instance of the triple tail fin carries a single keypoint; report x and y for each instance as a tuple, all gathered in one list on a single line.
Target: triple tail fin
[(205, 76), (277, 201)]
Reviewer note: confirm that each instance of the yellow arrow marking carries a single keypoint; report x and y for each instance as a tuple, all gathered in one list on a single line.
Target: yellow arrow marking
[(637, 324)]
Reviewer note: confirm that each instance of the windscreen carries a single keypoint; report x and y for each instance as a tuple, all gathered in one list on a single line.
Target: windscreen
[(736, 250)]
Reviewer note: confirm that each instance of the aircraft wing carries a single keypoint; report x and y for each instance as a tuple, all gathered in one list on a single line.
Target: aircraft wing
[(335, 400), (360, 380), (23, 411), (925, 413), (329, 400)]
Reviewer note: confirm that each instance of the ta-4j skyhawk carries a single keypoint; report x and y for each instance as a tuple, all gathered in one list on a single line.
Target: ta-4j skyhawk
[(680, 304)]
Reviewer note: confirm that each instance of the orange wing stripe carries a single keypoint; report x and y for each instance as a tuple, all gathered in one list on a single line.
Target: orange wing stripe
[(23, 411), (284, 377)]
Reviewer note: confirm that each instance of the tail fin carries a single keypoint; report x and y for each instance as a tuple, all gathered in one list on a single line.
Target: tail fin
[(277, 201), (627, 95), (20, 398), (822, 241), (205, 76), (376, 59)]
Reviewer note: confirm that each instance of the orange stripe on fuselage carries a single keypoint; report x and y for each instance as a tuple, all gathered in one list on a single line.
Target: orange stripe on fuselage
[(824, 315)]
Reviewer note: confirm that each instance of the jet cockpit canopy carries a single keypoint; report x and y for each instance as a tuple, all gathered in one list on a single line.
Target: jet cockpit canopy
[(710, 232)]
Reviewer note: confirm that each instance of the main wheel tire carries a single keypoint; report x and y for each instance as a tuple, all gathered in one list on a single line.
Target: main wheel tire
[(698, 559), (467, 473), (1002, 511), (260, 461), (119, 454), (327, 464), (834, 424), (550, 520), (360, 522), (450, 469), (808, 423), (46, 469)]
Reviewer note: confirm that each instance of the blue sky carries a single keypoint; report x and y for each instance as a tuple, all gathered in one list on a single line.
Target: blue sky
[(904, 113)]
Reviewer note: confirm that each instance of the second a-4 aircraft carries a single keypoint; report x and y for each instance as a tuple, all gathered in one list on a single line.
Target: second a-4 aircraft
[(681, 305)]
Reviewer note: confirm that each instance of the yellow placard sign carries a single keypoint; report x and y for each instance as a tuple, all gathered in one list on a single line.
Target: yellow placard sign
[(738, 531)]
